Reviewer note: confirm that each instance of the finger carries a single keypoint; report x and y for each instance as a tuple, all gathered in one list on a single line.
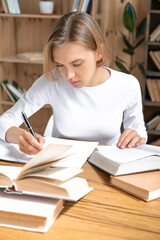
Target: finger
[(32, 141), (133, 141), (141, 141), (41, 139), (122, 138)]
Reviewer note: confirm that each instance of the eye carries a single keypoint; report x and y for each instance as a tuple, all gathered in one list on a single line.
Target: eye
[(59, 65), (77, 64)]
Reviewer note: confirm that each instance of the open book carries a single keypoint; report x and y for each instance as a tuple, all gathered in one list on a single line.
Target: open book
[(118, 161), (78, 153), (28, 212), (38, 178)]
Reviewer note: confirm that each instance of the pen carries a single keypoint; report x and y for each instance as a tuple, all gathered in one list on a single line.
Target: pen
[(28, 125)]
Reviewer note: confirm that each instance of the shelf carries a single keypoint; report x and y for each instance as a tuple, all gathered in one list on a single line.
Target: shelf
[(154, 43), (30, 16), (7, 102), (153, 73), (155, 11), (152, 104), (153, 132), (16, 59)]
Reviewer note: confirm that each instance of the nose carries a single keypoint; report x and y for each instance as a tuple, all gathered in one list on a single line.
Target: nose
[(69, 73)]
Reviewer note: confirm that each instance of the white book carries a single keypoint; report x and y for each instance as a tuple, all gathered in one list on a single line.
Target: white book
[(75, 5), (80, 150), (28, 212), (118, 161), (84, 5), (14, 6)]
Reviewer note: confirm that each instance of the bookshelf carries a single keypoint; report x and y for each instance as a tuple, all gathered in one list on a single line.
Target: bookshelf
[(151, 108), (27, 32)]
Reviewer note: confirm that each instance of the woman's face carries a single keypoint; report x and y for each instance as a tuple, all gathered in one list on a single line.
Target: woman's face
[(77, 64)]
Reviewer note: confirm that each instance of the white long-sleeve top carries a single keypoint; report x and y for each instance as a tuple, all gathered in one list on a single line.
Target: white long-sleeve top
[(88, 113)]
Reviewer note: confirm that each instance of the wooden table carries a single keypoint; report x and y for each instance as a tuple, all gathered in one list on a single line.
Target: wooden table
[(106, 213)]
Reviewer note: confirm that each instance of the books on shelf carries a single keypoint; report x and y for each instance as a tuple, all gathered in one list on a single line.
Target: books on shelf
[(14, 6), (144, 185), (153, 123), (153, 86), (82, 5), (50, 174), (16, 90), (28, 212), (155, 34), (5, 6), (75, 5), (155, 56), (4, 85), (118, 161), (31, 56)]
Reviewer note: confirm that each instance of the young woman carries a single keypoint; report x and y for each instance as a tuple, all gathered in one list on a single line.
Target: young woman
[(89, 100)]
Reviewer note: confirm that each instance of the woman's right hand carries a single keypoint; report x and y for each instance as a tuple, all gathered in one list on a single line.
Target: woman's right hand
[(27, 143)]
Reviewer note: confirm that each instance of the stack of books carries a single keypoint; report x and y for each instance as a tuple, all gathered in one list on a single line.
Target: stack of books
[(155, 56), (33, 195), (154, 123), (135, 170)]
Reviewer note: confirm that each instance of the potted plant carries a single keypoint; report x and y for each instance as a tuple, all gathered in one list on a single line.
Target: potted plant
[(132, 41), (46, 7)]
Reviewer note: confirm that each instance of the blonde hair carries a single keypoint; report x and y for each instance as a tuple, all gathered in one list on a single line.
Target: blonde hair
[(75, 27)]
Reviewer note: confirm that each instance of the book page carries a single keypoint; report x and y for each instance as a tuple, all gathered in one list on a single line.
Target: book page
[(128, 154), (10, 171), (49, 154), (78, 153), (11, 152)]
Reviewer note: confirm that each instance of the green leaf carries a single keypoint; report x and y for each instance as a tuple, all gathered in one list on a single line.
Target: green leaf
[(128, 51), (139, 43), (121, 67), (141, 68), (128, 44), (129, 17), (141, 28), (120, 60)]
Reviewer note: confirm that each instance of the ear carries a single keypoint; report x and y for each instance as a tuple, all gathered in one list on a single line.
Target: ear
[(98, 55)]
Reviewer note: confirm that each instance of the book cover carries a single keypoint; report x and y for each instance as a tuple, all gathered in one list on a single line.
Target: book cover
[(4, 85), (116, 161), (28, 212), (155, 34), (14, 6), (143, 185), (16, 90), (84, 6), (154, 59), (150, 89), (5, 7), (75, 5), (151, 124)]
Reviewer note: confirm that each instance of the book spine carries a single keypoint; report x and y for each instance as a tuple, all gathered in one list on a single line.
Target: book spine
[(14, 91), (4, 86)]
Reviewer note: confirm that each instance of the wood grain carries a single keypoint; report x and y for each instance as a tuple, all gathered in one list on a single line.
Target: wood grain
[(105, 213)]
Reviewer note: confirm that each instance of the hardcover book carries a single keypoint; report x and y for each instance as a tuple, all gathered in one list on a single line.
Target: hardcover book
[(118, 161), (28, 212), (144, 185)]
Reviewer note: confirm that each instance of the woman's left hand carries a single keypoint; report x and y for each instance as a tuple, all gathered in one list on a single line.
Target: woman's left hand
[(130, 138)]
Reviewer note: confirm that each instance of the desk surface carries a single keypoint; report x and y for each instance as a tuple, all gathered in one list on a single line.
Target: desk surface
[(105, 213)]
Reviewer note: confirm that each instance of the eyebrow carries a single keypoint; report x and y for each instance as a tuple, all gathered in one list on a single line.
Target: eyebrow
[(69, 62)]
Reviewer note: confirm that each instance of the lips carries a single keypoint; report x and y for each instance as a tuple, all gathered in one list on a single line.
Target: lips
[(74, 83)]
